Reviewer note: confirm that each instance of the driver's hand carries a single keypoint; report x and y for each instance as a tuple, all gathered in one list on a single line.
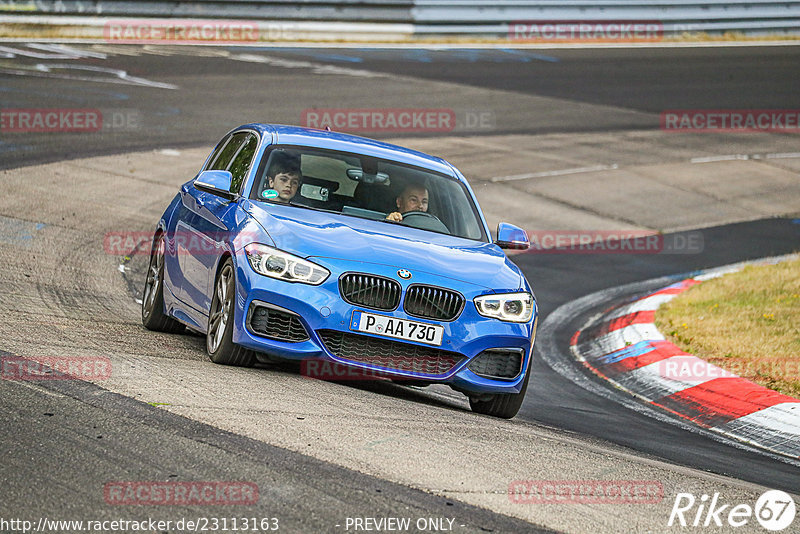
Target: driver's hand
[(395, 217)]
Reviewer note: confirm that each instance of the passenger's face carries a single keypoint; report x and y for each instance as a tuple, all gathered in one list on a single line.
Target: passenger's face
[(286, 185), (413, 199)]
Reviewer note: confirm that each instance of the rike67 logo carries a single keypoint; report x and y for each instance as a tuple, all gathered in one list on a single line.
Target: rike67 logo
[(774, 510)]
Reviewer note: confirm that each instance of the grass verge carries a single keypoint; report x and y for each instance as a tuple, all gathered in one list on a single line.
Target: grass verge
[(746, 322)]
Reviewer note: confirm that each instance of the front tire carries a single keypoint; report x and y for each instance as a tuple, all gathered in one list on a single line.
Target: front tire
[(219, 335), (503, 405), (153, 316)]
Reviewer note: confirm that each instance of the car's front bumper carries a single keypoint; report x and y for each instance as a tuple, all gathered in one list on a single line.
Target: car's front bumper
[(324, 314)]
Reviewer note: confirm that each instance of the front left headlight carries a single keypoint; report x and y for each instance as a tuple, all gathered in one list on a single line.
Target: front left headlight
[(284, 266), (512, 307)]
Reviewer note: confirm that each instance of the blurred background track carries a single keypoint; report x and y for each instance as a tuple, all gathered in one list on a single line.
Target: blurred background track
[(394, 20)]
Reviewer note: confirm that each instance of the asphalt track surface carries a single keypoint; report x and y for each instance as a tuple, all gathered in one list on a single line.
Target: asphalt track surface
[(629, 86), (649, 80), (601, 90), (78, 432)]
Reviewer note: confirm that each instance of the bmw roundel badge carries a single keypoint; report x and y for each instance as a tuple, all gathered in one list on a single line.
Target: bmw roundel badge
[(405, 274)]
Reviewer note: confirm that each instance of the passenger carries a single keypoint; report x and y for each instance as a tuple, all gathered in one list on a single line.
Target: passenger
[(284, 177), (413, 198)]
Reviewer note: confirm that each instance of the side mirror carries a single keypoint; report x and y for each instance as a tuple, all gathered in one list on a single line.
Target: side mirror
[(512, 237), (215, 182)]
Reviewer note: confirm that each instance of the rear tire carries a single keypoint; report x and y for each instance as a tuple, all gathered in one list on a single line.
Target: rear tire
[(153, 316), (219, 335), (503, 405)]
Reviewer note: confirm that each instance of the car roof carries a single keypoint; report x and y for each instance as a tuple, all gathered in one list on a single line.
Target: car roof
[(299, 136)]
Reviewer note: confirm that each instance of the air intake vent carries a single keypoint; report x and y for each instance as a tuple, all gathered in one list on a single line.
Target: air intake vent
[(276, 323), (504, 364), (433, 302), (387, 354), (370, 291)]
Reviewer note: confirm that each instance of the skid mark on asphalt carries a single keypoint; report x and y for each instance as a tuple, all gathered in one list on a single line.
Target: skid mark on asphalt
[(83, 94), (315, 68), (424, 55), (560, 172), (53, 71), (45, 51), (58, 70), (745, 157)]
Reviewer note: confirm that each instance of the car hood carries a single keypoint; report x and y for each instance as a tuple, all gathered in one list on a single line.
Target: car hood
[(310, 233)]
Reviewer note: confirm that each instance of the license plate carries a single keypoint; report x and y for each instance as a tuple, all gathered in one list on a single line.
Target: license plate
[(430, 334)]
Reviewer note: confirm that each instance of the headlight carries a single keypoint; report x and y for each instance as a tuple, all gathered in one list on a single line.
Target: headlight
[(284, 266), (513, 307)]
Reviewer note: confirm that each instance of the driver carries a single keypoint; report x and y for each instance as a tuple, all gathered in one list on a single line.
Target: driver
[(413, 198)]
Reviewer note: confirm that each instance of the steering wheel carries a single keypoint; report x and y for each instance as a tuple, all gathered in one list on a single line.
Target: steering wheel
[(424, 221), (419, 213)]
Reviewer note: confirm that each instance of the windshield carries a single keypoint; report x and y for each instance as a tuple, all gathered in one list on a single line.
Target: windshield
[(369, 188)]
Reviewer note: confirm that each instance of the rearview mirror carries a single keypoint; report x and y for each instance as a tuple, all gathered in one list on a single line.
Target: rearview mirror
[(512, 237), (314, 192), (215, 182), (364, 177)]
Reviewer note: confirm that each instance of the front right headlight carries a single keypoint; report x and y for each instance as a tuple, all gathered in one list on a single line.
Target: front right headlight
[(284, 266), (511, 307)]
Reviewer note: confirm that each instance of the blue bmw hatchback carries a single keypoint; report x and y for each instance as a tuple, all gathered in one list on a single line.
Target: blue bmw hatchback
[(311, 245)]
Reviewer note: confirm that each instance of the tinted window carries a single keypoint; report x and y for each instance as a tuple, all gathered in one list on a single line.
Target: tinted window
[(367, 187), (215, 153), (223, 159), (242, 161)]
